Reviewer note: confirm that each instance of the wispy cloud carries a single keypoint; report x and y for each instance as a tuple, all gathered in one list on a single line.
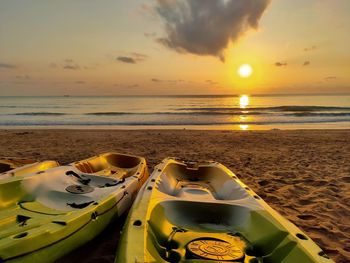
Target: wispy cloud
[(70, 64), (330, 78), (132, 58), (128, 86), (211, 82), (312, 48), (128, 60), (306, 63), (80, 82), (206, 27), (7, 66), (281, 64)]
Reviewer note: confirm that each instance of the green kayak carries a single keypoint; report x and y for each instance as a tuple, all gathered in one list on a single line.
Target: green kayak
[(201, 212), (17, 168), (8, 163), (45, 215)]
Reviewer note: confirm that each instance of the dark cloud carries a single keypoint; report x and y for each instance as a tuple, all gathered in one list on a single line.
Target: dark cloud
[(80, 82), (306, 63), (128, 60), (156, 80), (132, 58), (206, 27), (329, 78), (281, 64), (310, 48), (7, 66)]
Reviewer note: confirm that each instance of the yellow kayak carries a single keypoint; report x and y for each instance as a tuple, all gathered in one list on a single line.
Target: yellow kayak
[(45, 215), (8, 163), (201, 212), (22, 167)]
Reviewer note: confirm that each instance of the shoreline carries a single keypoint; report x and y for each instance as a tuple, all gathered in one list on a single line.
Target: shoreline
[(303, 174), (214, 127)]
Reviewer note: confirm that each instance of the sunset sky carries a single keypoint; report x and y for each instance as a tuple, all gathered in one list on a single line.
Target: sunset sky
[(138, 47)]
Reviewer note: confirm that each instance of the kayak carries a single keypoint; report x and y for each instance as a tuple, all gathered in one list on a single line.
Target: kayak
[(46, 215), (18, 168), (201, 212)]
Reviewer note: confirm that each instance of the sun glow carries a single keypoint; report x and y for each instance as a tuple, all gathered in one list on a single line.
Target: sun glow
[(245, 70), (243, 101)]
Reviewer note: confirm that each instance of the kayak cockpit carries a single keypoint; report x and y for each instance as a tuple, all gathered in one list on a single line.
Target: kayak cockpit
[(208, 182), (110, 164)]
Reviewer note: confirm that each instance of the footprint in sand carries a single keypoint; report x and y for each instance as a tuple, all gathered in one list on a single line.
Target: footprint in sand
[(346, 179), (306, 217), (305, 202), (263, 182)]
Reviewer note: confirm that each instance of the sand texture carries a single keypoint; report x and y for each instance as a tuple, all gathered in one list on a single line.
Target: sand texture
[(304, 175)]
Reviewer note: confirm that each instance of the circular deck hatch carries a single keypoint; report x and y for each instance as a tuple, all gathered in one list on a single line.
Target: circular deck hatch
[(79, 189), (215, 249)]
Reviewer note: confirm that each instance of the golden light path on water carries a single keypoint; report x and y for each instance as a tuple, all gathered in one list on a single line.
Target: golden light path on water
[(243, 103)]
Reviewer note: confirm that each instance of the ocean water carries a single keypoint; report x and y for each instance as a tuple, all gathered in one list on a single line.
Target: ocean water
[(198, 112)]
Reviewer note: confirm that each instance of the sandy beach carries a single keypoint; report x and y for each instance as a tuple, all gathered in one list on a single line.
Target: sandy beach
[(303, 174)]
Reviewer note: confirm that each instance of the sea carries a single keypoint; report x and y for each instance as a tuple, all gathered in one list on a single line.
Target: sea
[(236, 112)]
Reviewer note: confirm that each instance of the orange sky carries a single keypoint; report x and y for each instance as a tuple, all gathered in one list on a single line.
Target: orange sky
[(113, 48)]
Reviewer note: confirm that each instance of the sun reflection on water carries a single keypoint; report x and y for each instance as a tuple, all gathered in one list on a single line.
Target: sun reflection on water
[(243, 127), (243, 101)]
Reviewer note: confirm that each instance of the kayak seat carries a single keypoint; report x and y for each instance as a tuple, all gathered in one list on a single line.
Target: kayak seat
[(211, 182), (114, 165)]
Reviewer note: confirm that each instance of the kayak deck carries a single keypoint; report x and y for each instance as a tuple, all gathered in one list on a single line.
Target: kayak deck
[(191, 212), (45, 215)]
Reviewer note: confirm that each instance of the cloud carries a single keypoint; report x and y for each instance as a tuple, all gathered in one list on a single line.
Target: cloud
[(7, 66), (206, 27), (70, 64), (80, 82), (169, 81), (129, 60), (306, 63), (330, 78), (128, 86), (312, 48), (210, 82), (281, 64), (133, 86), (132, 58)]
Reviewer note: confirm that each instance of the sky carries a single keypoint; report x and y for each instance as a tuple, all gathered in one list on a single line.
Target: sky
[(173, 47)]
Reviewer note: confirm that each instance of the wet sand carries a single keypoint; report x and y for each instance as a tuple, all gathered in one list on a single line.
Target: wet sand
[(304, 175)]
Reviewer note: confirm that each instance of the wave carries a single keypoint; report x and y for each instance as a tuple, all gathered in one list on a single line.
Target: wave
[(40, 114), (174, 113), (319, 114), (170, 123), (275, 108)]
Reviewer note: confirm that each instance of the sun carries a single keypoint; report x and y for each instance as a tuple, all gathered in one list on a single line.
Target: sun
[(245, 70)]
